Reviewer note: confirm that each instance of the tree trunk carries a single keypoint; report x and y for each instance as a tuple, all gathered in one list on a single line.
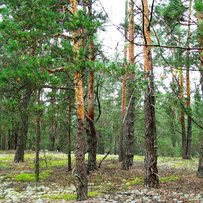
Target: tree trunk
[(189, 115), (128, 146), (69, 135), (23, 126), (53, 128), (150, 162), (81, 170), (123, 102), (182, 116), (15, 132), (100, 143), (38, 135), (91, 132)]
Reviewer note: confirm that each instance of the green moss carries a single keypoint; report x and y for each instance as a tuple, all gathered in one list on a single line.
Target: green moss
[(6, 158), (4, 164), (94, 194), (69, 197), (63, 196), (138, 158), (136, 181), (169, 179), (29, 177)]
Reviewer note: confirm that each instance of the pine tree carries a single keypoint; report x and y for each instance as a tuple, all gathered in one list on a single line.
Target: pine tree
[(150, 162)]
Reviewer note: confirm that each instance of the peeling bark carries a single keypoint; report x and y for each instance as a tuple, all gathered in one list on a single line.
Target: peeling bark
[(81, 170)]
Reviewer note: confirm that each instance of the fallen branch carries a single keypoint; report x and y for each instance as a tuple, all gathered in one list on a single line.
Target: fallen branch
[(103, 159)]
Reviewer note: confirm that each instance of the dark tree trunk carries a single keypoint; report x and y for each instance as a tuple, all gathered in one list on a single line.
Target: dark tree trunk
[(9, 140), (81, 170), (23, 126), (128, 138), (92, 147), (184, 137), (173, 126), (69, 135), (15, 132), (121, 142), (150, 162), (115, 151), (21, 143), (53, 128), (100, 145), (128, 146), (38, 136), (189, 136)]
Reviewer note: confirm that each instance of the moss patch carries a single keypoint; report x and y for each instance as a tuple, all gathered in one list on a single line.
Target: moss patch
[(69, 197), (136, 181), (169, 179), (30, 177)]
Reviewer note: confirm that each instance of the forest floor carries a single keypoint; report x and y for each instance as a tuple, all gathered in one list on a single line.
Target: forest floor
[(178, 181)]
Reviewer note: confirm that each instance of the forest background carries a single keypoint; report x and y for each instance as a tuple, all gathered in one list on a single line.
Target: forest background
[(63, 89)]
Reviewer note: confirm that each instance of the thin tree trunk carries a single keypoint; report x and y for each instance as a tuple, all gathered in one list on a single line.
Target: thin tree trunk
[(123, 102), (15, 132), (100, 143), (173, 113), (53, 128), (182, 116), (189, 131), (38, 136), (189, 116), (81, 170), (150, 162), (69, 135), (128, 146), (23, 126)]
